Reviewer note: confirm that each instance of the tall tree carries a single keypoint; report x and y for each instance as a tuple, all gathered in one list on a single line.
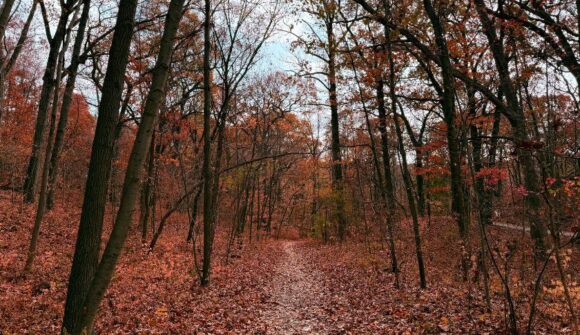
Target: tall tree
[(405, 170), (130, 193), (517, 120), (41, 207), (208, 214), (48, 85), (67, 100), (88, 242), (322, 43)]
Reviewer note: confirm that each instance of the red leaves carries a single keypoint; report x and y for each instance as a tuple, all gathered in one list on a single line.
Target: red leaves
[(492, 175)]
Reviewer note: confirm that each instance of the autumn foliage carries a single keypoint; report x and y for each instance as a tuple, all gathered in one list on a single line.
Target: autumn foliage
[(289, 167)]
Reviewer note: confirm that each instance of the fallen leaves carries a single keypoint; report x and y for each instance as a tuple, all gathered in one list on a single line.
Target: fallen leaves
[(274, 287)]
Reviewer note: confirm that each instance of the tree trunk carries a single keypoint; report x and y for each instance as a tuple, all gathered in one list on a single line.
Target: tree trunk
[(195, 205), (448, 107), (67, 100), (410, 195), (90, 228), (132, 182), (337, 177), (388, 188), (43, 197), (49, 81), (4, 18), (146, 201), (6, 63), (206, 168), (517, 120)]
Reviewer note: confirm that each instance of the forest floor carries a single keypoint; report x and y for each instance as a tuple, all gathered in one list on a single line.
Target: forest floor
[(296, 296), (285, 286)]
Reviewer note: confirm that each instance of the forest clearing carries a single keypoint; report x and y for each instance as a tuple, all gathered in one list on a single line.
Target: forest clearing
[(289, 167)]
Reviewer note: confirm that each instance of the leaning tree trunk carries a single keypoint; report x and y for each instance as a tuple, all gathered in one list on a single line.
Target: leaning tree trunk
[(106, 267), (4, 18), (7, 63), (86, 255), (42, 199)]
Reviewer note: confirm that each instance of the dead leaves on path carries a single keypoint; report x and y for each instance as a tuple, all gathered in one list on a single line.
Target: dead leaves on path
[(327, 289)]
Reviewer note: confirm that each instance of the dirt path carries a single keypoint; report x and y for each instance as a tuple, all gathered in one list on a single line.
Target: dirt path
[(296, 300)]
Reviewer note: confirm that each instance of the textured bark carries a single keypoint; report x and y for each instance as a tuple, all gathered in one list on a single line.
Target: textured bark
[(90, 228), (337, 177), (137, 158), (206, 169)]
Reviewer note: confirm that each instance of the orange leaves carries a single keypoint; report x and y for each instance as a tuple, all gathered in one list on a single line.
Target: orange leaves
[(492, 175), (483, 122)]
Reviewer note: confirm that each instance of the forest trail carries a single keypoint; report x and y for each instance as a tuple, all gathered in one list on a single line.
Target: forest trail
[(297, 295)]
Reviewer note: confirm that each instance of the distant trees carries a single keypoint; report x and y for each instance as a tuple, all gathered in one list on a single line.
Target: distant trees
[(241, 28), (322, 44)]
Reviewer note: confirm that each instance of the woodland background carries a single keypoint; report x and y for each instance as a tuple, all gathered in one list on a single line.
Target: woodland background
[(175, 166)]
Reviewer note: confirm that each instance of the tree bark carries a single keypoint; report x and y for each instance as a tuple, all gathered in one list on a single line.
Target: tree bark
[(43, 196), (90, 228), (132, 182), (146, 201), (388, 187), (6, 63), (206, 169), (337, 177)]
